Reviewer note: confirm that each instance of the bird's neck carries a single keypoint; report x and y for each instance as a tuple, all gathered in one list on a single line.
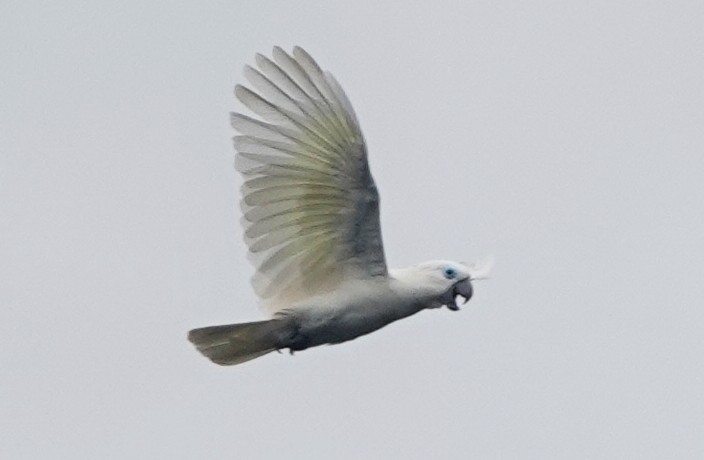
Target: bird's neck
[(412, 287)]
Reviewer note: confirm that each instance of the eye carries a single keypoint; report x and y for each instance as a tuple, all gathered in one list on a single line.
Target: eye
[(450, 273)]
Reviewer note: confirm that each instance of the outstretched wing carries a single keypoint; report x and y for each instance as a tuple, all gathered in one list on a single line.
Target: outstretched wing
[(311, 209)]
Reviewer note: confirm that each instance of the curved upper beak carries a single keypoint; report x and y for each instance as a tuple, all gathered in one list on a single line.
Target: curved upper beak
[(462, 289)]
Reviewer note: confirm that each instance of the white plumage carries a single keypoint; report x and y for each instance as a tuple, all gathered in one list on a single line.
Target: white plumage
[(311, 221)]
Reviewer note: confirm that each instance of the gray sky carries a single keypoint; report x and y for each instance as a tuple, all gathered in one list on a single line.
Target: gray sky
[(564, 138)]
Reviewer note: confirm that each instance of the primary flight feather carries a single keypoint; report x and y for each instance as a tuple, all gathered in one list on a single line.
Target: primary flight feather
[(311, 222)]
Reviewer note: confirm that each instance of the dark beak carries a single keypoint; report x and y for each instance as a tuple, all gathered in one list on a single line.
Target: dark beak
[(460, 289)]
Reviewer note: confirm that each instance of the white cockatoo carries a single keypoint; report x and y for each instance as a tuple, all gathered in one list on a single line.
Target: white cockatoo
[(311, 221)]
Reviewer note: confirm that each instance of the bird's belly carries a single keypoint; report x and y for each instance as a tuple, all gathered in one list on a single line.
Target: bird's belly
[(336, 325)]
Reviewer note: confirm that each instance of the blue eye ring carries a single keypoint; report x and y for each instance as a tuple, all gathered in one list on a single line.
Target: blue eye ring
[(450, 273)]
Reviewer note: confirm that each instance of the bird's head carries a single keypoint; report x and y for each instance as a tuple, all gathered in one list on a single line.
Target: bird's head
[(447, 281), (439, 283)]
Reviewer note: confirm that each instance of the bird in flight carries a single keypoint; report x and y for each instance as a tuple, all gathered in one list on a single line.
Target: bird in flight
[(311, 222)]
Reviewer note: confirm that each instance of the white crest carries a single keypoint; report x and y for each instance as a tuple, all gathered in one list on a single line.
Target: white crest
[(481, 269)]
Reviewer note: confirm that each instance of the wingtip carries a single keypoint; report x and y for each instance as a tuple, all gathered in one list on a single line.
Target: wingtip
[(278, 51), (260, 59), (299, 51)]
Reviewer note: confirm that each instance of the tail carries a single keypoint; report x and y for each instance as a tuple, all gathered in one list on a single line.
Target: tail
[(236, 343)]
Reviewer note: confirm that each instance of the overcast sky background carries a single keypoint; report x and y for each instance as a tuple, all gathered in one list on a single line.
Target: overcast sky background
[(564, 138)]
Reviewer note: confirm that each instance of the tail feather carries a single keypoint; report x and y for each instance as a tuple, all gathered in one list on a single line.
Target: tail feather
[(236, 343)]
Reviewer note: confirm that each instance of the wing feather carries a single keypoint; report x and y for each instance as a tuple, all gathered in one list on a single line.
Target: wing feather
[(310, 206)]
